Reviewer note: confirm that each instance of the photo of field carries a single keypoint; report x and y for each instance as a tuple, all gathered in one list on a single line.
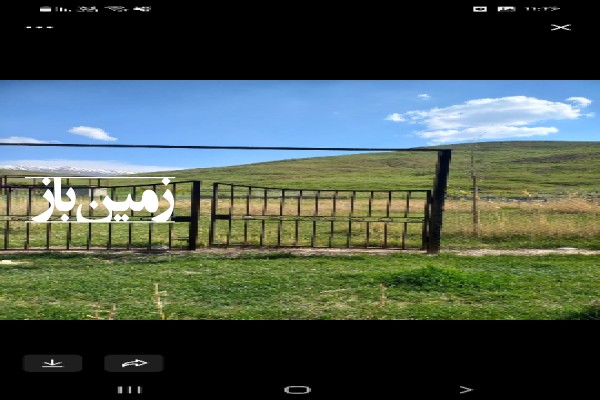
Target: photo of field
[(532, 254)]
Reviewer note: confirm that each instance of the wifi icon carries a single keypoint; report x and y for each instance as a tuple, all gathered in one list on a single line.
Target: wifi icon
[(116, 8)]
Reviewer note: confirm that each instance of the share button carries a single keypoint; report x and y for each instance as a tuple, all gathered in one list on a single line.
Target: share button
[(134, 363)]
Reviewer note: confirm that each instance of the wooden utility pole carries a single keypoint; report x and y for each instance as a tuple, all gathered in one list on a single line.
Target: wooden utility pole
[(475, 205)]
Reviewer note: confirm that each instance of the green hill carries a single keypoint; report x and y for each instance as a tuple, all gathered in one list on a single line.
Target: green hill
[(506, 168)]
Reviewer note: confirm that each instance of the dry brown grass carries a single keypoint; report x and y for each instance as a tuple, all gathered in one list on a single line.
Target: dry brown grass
[(561, 218), (158, 302), (571, 217), (110, 314)]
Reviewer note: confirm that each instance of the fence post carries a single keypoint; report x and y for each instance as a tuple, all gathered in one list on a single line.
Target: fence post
[(213, 212), (426, 217), (193, 235), (442, 169)]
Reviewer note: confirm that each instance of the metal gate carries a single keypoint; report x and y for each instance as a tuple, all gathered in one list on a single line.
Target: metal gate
[(243, 215), (131, 230)]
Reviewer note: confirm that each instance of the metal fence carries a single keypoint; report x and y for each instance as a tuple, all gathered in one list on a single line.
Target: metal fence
[(243, 215), (227, 215), (131, 231), (18, 233)]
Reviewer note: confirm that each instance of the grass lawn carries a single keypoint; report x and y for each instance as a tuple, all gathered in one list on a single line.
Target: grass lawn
[(284, 286)]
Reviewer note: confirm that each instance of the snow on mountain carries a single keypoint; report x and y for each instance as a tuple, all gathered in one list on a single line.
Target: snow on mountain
[(66, 170)]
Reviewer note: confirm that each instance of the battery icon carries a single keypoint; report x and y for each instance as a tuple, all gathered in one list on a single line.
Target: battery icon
[(45, 9)]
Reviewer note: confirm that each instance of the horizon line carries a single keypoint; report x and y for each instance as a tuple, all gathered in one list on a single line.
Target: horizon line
[(193, 147)]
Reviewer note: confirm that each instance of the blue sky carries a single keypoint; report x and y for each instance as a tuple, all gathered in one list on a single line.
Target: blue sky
[(395, 114)]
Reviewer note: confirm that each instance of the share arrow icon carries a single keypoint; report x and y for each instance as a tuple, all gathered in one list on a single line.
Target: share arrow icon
[(134, 363)]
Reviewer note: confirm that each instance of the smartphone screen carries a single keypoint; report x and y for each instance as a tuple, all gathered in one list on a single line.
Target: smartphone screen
[(309, 201)]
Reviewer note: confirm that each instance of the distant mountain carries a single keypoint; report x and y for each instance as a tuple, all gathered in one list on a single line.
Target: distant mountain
[(511, 168), (66, 170)]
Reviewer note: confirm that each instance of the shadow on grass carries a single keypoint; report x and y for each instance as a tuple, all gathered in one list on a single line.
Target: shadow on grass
[(433, 278), (590, 313)]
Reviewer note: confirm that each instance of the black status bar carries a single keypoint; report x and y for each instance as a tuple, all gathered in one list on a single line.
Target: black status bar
[(141, 17)]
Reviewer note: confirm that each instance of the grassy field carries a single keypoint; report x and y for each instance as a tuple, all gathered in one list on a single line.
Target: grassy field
[(284, 286)]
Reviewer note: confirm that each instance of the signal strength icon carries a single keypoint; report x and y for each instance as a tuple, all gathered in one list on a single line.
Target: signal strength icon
[(60, 9)]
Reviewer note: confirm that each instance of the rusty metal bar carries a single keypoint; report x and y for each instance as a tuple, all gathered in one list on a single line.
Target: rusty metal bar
[(151, 225), (279, 223), (170, 239), (316, 214), (109, 241), (29, 210), (424, 234), (370, 209), (130, 227), (48, 228), (231, 200), (264, 211), (405, 224), (195, 216), (213, 212), (69, 230), (387, 215), (298, 214), (333, 214), (349, 236), (69, 226), (247, 215), (91, 214), (7, 229)]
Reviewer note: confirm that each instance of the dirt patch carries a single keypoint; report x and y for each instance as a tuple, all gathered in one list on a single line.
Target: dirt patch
[(522, 252), (11, 262), (237, 252)]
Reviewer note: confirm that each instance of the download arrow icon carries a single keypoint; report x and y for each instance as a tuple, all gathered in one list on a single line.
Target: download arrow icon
[(52, 364)]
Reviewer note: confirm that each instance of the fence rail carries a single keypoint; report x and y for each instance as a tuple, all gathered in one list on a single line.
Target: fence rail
[(20, 232), (244, 215)]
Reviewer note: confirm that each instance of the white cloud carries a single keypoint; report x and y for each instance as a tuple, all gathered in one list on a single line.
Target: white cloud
[(395, 117), (424, 96), (580, 101), (496, 118), (21, 139), (109, 165), (93, 133)]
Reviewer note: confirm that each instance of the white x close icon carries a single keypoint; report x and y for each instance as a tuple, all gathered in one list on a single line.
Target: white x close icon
[(560, 27)]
